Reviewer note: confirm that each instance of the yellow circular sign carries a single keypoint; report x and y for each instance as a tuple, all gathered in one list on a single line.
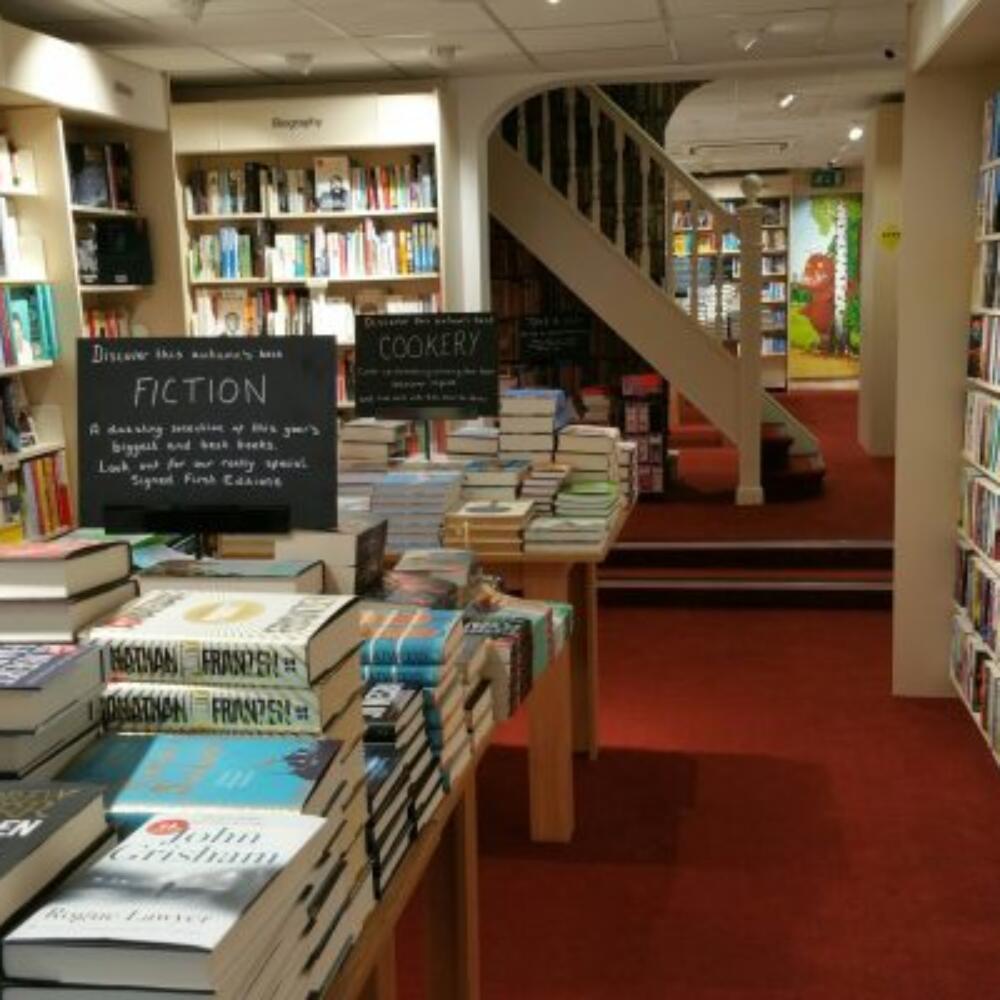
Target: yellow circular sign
[(224, 612)]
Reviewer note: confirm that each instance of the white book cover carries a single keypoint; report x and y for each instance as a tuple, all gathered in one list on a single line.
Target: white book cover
[(178, 883)]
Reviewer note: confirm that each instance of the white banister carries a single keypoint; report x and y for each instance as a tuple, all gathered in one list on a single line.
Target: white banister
[(644, 213), (595, 164), (572, 191), (620, 187), (546, 138), (750, 491)]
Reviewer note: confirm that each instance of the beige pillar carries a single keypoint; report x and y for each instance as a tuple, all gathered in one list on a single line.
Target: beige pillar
[(880, 253), (942, 135)]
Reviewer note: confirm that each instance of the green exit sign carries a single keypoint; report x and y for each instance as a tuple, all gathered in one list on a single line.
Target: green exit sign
[(830, 178)]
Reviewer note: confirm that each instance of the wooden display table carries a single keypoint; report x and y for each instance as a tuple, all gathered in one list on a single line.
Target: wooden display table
[(562, 711), (444, 859)]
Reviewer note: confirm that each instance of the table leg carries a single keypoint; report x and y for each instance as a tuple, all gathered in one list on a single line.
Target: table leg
[(451, 891), (583, 590), (550, 723), (381, 983)]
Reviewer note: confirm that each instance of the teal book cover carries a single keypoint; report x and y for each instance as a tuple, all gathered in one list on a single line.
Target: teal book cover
[(408, 637), (417, 674), (146, 774)]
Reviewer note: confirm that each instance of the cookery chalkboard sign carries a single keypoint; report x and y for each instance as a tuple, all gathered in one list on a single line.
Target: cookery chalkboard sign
[(425, 366), (207, 434), (553, 339)]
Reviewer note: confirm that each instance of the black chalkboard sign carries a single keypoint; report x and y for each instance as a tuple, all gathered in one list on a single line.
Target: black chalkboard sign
[(425, 366), (554, 339), (207, 434)]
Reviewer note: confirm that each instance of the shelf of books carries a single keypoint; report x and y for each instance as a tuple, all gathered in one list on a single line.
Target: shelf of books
[(281, 241), (974, 669), (719, 261)]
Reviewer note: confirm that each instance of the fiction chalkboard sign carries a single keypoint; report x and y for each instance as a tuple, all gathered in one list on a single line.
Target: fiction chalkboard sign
[(425, 366), (207, 434), (554, 339)]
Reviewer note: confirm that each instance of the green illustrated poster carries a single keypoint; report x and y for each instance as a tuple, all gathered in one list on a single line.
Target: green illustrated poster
[(824, 319)]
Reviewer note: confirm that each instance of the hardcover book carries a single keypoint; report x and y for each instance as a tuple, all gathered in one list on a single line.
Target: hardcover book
[(174, 906), (59, 619), (44, 827), (289, 576), (22, 753), (63, 568), (285, 640), (405, 637), (39, 681), (142, 775)]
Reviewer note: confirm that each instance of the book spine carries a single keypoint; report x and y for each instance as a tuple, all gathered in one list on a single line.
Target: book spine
[(227, 663), (421, 674), (188, 708)]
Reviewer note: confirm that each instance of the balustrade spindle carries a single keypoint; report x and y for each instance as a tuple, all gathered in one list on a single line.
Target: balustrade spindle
[(695, 277), (522, 130), (720, 320), (572, 191), (546, 138), (669, 273), (644, 215), (620, 187), (595, 164)]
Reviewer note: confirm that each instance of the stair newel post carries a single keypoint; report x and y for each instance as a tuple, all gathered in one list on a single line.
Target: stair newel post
[(669, 275), (620, 187), (595, 163), (547, 137), (572, 190), (694, 289), (751, 213), (644, 258)]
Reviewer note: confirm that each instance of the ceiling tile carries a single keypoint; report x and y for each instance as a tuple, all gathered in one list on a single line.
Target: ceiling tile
[(32, 12), (402, 17), (169, 8), (278, 28), (653, 57), (537, 14), (343, 56), (178, 59), (595, 38), (753, 9), (471, 48)]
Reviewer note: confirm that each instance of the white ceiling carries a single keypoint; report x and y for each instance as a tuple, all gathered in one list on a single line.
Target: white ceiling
[(718, 126), (247, 40)]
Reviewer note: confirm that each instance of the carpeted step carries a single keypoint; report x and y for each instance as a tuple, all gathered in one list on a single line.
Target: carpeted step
[(801, 478), (696, 436)]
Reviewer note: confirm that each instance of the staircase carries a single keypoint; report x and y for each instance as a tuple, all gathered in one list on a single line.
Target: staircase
[(625, 271)]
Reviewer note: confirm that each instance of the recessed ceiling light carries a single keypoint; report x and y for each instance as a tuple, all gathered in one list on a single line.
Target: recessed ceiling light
[(786, 100), (300, 62), (856, 133), (553, 3), (746, 40)]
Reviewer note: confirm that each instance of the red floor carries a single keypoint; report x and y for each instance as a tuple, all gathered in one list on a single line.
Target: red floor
[(765, 823), (857, 502)]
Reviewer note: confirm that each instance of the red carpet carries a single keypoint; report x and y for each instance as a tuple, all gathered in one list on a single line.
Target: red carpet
[(857, 502), (765, 823)]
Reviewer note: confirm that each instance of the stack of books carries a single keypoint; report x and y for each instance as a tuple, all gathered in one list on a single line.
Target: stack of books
[(479, 718), (49, 706), (49, 829), (489, 527), (507, 662), (390, 825), (596, 404), (415, 505), (457, 567), (628, 470), (181, 661), (368, 444), (50, 591), (419, 648), (529, 421), (473, 441), (275, 576), (566, 534), (599, 499), (543, 483), (591, 452), (494, 479), (246, 922)]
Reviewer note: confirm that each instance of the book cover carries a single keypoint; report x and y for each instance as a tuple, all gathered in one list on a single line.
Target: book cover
[(397, 636), (35, 666), (156, 707), (419, 589), (258, 638), (178, 884), (333, 183), (32, 811), (146, 774)]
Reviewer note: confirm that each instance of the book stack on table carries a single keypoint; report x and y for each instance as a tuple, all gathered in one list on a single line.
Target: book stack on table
[(419, 647), (494, 479), (628, 470), (369, 445), (415, 505), (489, 527), (543, 483), (598, 499), (529, 421), (473, 441), (590, 452)]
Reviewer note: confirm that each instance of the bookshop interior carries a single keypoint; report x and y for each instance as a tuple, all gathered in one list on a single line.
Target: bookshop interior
[(499, 499)]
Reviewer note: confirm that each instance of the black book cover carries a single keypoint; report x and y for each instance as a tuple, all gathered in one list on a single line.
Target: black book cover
[(31, 811)]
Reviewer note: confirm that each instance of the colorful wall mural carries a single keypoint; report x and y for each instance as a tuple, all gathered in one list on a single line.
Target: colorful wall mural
[(824, 319)]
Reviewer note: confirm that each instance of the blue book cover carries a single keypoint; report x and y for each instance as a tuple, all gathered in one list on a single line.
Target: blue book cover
[(424, 675), (32, 667), (406, 637), (146, 774)]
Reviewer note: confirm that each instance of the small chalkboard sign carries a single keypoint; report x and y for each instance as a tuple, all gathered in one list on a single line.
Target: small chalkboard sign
[(426, 366), (207, 434), (554, 339)]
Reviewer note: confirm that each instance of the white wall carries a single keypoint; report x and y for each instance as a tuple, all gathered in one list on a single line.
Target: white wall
[(880, 256)]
